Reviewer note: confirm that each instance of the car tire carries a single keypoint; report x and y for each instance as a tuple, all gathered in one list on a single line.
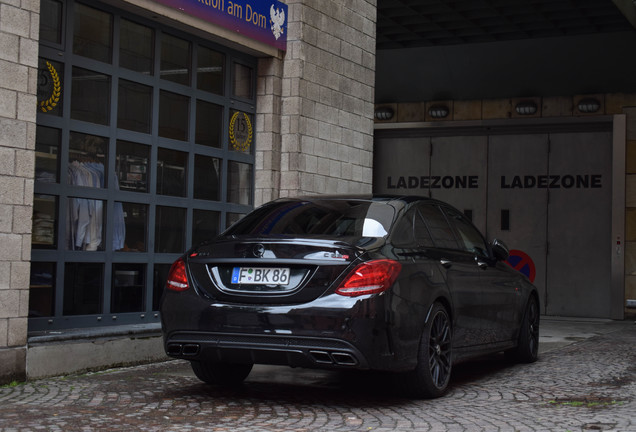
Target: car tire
[(221, 373), (430, 377), (527, 350)]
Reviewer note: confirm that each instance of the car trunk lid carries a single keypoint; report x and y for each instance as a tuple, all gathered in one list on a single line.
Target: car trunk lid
[(269, 271)]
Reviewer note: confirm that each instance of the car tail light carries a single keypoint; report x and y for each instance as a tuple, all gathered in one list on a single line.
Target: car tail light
[(177, 279), (371, 277)]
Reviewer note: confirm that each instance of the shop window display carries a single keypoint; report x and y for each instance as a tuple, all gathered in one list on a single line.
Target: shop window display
[(210, 70), (137, 46), (83, 288), (171, 172), (44, 234), (132, 166), (130, 232), (128, 289), (134, 109), (134, 158), (90, 96), (239, 188), (51, 28), (93, 33), (205, 224), (42, 289), (174, 117), (175, 59), (209, 124), (169, 229), (47, 148)]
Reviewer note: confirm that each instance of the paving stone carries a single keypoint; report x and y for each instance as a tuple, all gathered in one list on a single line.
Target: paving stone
[(587, 385)]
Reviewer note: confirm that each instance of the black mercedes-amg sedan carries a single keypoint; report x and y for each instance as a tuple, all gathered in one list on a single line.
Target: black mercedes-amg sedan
[(400, 284)]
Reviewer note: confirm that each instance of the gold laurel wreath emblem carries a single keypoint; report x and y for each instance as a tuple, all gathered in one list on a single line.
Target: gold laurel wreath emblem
[(52, 101), (245, 144)]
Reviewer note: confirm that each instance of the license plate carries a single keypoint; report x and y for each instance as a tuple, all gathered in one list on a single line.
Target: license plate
[(260, 275)]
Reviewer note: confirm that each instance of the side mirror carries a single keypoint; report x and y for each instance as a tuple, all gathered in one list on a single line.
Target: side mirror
[(500, 250)]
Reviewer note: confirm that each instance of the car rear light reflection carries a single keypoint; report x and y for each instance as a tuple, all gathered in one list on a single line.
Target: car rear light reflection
[(177, 279), (370, 278)]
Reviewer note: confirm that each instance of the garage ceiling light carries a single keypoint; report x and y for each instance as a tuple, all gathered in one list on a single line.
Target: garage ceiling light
[(438, 111), (526, 108), (384, 113), (588, 105)]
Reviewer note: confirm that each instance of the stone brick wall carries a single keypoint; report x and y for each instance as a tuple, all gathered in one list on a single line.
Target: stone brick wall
[(268, 128), (19, 28), (326, 100)]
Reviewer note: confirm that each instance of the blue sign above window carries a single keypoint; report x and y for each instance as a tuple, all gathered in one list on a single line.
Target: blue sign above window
[(262, 20)]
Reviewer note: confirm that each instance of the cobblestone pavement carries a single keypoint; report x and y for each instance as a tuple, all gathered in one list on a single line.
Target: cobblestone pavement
[(585, 386)]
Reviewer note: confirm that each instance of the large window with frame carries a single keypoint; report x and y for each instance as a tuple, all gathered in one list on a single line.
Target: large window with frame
[(144, 146)]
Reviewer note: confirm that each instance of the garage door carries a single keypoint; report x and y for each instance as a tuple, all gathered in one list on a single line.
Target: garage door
[(548, 195)]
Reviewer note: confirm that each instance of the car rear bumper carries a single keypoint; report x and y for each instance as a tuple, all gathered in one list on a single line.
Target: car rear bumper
[(329, 332)]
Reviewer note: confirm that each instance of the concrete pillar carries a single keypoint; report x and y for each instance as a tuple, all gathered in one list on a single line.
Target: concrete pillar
[(327, 95), (268, 128), (19, 28)]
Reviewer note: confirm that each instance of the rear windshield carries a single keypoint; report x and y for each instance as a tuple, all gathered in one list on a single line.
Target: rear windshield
[(331, 218)]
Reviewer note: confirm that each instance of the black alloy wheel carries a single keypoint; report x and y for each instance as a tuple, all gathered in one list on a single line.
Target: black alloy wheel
[(527, 350), (432, 373)]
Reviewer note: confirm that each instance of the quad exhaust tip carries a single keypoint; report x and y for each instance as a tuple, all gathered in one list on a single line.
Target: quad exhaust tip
[(187, 350), (333, 358)]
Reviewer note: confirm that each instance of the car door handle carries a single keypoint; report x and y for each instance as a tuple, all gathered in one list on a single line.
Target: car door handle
[(445, 263), (482, 265)]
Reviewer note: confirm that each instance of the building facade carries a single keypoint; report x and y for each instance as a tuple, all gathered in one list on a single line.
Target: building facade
[(131, 128)]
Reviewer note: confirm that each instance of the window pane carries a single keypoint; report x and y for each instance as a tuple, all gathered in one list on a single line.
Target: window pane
[(206, 178), (422, 236), (344, 218), (85, 224), (241, 132), (87, 157), (160, 276), (242, 81), (90, 96), (174, 114), (438, 227), (232, 218), (129, 281), (170, 229), (44, 233), (42, 289), (83, 288), (130, 227), (132, 166), (210, 70), (47, 147), (50, 89), (209, 124), (134, 108), (51, 21), (239, 188), (403, 231), (171, 172), (136, 47), (92, 33), (205, 225), (175, 59), (470, 239)]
